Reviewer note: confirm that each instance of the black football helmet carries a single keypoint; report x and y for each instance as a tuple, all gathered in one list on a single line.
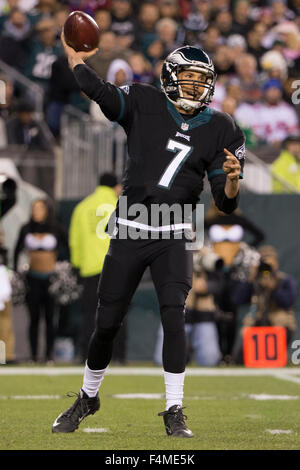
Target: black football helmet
[(188, 58)]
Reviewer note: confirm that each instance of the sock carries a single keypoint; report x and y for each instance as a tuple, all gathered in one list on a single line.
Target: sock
[(174, 388), (92, 380)]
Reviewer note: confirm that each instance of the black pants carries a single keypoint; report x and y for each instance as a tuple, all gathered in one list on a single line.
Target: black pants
[(171, 269), (39, 301), (89, 301)]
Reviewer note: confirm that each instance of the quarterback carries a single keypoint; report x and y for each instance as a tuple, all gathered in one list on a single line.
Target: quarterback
[(174, 140)]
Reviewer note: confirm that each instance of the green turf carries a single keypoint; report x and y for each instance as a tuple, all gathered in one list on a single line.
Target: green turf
[(223, 417)]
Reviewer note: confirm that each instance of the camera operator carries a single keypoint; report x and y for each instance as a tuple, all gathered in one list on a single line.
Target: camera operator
[(271, 293), (201, 310), (7, 201)]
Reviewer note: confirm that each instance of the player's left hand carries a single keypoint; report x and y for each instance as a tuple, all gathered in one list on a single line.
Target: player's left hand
[(232, 166)]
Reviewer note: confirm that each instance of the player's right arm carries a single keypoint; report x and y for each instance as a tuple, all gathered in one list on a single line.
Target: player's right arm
[(113, 102)]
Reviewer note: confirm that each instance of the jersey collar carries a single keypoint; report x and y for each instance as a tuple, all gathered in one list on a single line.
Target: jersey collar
[(187, 124)]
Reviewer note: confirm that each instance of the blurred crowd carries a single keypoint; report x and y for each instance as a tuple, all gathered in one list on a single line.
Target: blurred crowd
[(255, 46)]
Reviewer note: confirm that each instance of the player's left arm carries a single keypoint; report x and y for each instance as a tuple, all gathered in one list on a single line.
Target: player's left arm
[(226, 168), (232, 169)]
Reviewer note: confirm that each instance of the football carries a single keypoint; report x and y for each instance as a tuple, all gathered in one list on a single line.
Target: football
[(81, 32)]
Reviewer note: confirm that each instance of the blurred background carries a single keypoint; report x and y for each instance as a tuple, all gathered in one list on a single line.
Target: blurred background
[(55, 145)]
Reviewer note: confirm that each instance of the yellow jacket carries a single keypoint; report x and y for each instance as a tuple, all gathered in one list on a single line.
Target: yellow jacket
[(87, 239), (288, 168)]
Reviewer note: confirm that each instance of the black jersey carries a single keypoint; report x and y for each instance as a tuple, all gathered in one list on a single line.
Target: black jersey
[(168, 154)]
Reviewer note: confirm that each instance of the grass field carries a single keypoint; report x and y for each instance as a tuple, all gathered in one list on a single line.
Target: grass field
[(221, 411)]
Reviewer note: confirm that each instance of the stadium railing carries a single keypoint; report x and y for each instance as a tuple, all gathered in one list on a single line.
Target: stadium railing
[(33, 90)]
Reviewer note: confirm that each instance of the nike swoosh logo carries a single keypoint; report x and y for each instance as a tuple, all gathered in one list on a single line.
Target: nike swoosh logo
[(56, 423)]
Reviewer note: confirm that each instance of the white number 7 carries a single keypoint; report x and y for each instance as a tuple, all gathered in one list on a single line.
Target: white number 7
[(172, 169)]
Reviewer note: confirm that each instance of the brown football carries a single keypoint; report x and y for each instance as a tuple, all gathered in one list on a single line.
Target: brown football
[(81, 32)]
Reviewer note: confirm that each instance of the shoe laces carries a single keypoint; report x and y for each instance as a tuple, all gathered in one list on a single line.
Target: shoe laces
[(79, 409), (176, 416)]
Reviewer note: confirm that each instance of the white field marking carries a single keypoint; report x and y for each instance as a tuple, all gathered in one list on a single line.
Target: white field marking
[(263, 397), (287, 377), (153, 396), (30, 397), (144, 396), (95, 430), (254, 416), (279, 431), (151, 371)]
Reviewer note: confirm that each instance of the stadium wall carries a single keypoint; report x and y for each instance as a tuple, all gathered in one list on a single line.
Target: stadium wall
[(277, 215)]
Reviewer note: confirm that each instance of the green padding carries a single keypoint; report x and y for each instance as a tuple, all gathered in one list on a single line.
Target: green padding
[(219, 171), (122, 106)]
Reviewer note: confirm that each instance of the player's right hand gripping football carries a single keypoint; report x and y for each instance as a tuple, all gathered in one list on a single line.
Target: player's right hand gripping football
[(75, 58)]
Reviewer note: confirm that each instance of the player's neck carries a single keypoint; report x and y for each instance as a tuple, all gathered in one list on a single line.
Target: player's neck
[(191, 113)]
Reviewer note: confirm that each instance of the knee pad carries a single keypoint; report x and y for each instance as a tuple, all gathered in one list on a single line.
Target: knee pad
[(172, 319)]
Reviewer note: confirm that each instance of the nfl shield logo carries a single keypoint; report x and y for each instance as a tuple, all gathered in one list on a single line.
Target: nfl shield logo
[(184, 126)]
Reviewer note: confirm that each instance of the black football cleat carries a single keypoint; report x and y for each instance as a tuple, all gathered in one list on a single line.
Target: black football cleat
[(69, 420), (174, 421)]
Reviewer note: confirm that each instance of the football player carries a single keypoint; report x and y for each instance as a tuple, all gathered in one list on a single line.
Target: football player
[(174, 138)]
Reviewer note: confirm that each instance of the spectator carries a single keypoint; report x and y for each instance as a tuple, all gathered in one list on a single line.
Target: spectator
[(24, 130), (246, 68), (254, 40), (88, 248), (202, 311), (13, 39), (8, 199), (286, 168), (119, 74), (229, 106), (60, 17), (223, 22), (169, 9), (273, 119), (41, 238), (43, 53), (237, 45), (203, 8), (271, 293), (103, 19), (224, 61), (63, 89), (211, 40), (274, 64), (123, 23), (141, 68), (241, 18), (108, 52), (280, 11), (146, 33), (192, 30), (167, 32), (225, 238), (43, 9)]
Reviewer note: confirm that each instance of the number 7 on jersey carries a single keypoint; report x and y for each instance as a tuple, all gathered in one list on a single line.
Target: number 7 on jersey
[(182, 152)]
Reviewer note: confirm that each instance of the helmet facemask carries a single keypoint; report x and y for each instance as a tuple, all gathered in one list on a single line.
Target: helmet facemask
[(176, 88), (192, 87)]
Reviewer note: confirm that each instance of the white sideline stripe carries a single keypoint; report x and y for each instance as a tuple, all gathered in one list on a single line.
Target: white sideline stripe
[(95, 430), (279, 431), (287, 377), (152, 371), (264, 396)]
